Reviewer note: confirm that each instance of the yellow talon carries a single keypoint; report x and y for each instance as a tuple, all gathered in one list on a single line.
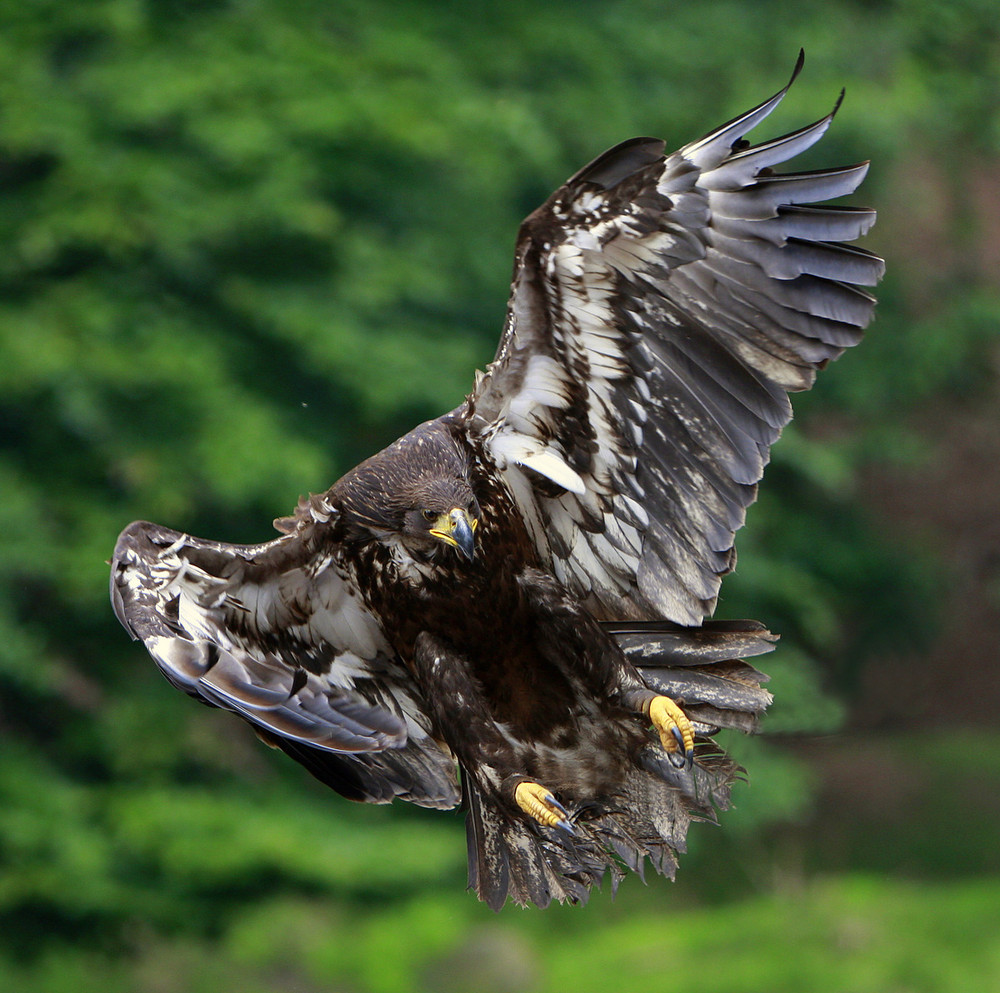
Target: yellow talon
[(676, 732), (537, 802)]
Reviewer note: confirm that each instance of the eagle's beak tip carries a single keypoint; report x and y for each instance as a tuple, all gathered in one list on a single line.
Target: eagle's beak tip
[(457, 528), (464, 534)]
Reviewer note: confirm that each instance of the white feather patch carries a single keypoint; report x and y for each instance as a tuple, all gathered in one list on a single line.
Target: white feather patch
[(550, 465)]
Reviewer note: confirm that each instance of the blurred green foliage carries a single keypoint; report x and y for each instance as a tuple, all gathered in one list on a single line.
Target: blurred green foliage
[(248, 243)]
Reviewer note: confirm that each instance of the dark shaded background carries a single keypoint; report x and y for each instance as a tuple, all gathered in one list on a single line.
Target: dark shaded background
[(245, 244)]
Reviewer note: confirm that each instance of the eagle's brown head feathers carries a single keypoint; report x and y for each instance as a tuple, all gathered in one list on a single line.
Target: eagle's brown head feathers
[(416, 491)]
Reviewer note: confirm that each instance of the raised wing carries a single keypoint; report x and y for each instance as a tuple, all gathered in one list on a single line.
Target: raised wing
[(661, 309), (275, 633)]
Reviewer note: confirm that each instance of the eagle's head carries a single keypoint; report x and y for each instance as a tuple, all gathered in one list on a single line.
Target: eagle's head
[(416, 493), (441, 510)]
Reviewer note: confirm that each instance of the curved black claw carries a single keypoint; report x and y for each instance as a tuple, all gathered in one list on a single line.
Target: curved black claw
[(683, 758), (564, 823), (539, 803)]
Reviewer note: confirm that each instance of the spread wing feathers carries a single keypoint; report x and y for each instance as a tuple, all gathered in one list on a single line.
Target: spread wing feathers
[(661, 309), (275, 633), (648, 819), (705, 668)]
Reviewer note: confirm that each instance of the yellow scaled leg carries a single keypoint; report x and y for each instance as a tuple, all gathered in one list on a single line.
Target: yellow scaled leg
[(538, 803), (676, 732)]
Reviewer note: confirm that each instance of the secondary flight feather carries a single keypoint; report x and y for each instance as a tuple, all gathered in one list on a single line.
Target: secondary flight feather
[(507, 607)]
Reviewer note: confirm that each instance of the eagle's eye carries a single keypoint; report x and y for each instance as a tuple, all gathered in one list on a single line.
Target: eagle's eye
[(428, 515)]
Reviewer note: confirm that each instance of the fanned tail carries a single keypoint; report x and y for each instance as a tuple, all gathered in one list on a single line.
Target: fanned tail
[(529, 863), (648, 818)]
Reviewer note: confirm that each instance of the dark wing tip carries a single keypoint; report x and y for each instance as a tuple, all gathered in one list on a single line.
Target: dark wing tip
[(799, 63), (619, 162), (836, 106)]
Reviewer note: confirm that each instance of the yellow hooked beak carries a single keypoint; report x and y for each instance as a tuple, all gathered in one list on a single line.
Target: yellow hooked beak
[(458, 529)]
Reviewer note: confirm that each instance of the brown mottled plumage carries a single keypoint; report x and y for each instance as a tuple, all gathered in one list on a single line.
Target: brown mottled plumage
[(510, 593)]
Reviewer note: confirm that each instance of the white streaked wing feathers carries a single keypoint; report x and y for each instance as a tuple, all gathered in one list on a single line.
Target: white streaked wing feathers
[(661, 308), (275, 635)]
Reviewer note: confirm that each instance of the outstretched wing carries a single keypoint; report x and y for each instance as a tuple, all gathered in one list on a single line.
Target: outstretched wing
[(661, 309), (276, 633)]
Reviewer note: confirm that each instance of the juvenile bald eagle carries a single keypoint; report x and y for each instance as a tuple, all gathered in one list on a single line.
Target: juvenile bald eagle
[(506, 608)]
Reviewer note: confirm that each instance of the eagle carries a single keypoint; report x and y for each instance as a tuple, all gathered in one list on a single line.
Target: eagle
[(508, 608)]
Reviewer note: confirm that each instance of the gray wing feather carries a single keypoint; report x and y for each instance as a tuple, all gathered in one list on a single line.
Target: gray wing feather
[(662, 308)]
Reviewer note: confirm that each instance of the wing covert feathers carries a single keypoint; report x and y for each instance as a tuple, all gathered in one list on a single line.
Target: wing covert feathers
[(662, 308)]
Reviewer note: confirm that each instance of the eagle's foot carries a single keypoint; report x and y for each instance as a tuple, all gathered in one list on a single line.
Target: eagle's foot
[(538, 803), (676, 732)]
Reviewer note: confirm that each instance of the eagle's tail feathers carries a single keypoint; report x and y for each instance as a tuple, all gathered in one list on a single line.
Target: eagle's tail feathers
[(529, 863), (489, 873)]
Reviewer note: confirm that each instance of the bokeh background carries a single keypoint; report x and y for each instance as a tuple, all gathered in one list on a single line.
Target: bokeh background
[(244, 244)]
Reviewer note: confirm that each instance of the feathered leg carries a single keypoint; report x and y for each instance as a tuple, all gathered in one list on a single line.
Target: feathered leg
[(607, 669), (457, 703), (532, 859)]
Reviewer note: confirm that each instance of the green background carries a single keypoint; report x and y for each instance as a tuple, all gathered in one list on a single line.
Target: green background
[(244, 245)]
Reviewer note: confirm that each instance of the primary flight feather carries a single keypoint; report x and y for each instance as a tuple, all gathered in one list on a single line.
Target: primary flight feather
[(507, 607)]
